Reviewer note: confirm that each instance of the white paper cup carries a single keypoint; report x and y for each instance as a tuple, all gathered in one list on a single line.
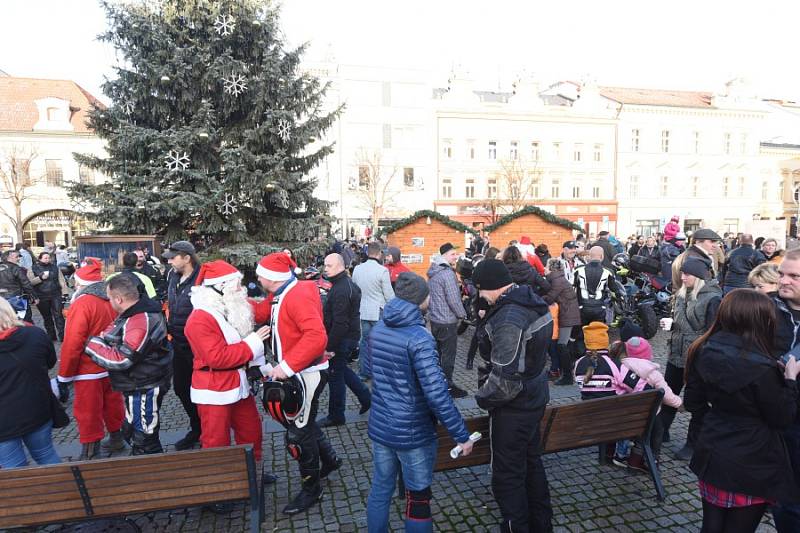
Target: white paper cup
[(666, 324)]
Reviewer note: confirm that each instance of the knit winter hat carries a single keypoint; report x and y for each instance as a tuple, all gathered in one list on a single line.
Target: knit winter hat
[(697, 267), (91, 271), (216, 273), (411, 288), (675, 218), (491, 274), (276, 267), (639, 348), (629, 330), (595, 336)]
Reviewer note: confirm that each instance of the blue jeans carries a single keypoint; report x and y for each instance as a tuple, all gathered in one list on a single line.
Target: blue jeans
[(39, 443), (366, 327), (339, 377), (417, 465)]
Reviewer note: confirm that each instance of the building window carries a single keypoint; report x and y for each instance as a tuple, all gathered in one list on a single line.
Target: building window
[(596, 191), (635, 140), (726, 187), (536, 182), (387, 135), (697, 142), (447, 149), (363, 177), (634, 189), (471, 149), (555, 188), (447, 188), (576, 191), (727, 146), (557, 150), (408, 177), (515, 190), (535, 151), (765, 190), (55, 176), (664, 185), (741, 186), (730, 225), (648, 227), (492, 149), (491, 188), (695, 187), (598, 153), (576, 153), (86, 175), (513, 153), (743, 144), (469, 190), (52, 114), (665, 141)]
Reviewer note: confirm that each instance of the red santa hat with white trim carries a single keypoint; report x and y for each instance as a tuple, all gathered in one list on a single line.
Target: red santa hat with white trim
[(91, 271), (276, 267), (216, 273)]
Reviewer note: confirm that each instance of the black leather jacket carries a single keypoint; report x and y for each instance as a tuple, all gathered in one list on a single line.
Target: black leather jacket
[(341, 312), (14, 281), (180, 307), (50, 288)]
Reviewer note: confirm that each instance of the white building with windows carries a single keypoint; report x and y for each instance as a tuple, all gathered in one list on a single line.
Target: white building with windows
[(42, 123)]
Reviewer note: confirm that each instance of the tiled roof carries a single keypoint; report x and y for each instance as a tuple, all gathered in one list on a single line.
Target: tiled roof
[(660, 97), (18, 110)]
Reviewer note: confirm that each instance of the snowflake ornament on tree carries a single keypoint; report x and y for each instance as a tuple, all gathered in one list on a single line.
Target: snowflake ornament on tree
[(126, 107), (228, 206), (284, 130), (224, 24), (234, 84), (177, 161)]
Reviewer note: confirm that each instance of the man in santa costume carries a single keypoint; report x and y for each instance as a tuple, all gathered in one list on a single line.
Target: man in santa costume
[(220, 333), (298, 340), (97, 408)]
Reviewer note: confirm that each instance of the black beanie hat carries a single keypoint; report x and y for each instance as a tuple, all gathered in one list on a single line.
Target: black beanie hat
[(491, 274), (411, 288), (697, 267), (629, 330)]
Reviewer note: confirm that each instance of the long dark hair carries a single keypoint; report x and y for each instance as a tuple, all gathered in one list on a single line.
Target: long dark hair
[(746, 313), (512, 255)]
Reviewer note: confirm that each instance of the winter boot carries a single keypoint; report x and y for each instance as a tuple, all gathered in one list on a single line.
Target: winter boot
[(89, 451), (188, 441), (310, 493), (330, 462), (565, 362), (636, 461), (114, 443)]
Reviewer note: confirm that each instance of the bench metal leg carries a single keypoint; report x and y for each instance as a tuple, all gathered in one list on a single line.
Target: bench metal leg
[(602, 450), (256, 493), (654, 473)]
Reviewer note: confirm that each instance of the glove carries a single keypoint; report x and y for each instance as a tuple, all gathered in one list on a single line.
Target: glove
[(63, 392)]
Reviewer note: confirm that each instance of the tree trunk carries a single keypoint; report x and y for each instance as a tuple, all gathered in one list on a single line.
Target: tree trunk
[(18, 222)]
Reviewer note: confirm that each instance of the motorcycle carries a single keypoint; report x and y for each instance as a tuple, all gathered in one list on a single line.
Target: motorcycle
[(631, 303), (324, 286)]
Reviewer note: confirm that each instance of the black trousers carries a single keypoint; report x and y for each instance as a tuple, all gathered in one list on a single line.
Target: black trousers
[(673, 375), (181, 383), (519, 481), (143, 420), (52, 310), (446, 336)]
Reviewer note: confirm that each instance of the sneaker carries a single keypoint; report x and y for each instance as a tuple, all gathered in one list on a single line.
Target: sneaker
[(456, 392), (620, 461)]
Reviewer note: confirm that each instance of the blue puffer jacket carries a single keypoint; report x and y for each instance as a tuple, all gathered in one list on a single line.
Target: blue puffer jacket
[(409, 390)]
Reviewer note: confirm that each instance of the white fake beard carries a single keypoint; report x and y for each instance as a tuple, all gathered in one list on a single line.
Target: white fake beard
[(238, 311)]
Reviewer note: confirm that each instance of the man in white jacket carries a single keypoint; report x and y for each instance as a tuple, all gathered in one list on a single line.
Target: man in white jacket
[(376, 291)]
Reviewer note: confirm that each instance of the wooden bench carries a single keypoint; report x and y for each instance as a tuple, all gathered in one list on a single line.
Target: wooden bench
[(572, 426), (87, 490)]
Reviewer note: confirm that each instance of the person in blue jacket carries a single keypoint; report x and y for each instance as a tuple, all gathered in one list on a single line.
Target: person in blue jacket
[(409, 392)]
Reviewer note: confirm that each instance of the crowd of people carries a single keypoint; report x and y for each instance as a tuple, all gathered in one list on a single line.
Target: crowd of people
[(390, 336)]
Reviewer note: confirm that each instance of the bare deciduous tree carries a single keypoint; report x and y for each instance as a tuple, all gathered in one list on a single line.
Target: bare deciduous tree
[(374, 183), (16, 184), (516, 186)]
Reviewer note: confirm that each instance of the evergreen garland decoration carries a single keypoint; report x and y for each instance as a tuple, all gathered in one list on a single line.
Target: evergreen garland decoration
[(533, 210), (426, 213)]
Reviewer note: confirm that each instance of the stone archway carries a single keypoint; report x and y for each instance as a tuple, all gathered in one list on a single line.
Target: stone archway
[(56, 225)]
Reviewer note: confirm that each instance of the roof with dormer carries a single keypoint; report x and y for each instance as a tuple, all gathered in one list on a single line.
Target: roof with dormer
[(18, 96)]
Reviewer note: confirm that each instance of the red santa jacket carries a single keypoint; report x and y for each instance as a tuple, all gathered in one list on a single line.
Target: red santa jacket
[(220, 355), (298, 335), (395, 269), (89, 314)]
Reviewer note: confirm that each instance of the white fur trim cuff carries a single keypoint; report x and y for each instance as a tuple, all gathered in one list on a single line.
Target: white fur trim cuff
[(273, 275), (256, 346), (286, 369)]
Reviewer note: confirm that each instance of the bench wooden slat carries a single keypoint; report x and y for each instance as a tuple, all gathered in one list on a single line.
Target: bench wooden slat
[(124, 503), (107, 489), (24, 480), (165, 470), (172, 477)]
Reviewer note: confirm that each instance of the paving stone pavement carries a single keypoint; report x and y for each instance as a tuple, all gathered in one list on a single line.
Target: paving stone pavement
[(586, 497)]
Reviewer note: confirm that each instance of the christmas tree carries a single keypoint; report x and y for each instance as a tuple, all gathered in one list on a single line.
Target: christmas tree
[(213, 128)]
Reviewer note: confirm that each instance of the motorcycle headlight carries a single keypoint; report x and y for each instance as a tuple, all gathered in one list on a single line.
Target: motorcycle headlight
[(662, 297)]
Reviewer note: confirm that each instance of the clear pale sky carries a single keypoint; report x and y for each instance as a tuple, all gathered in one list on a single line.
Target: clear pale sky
[(679, 44)]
